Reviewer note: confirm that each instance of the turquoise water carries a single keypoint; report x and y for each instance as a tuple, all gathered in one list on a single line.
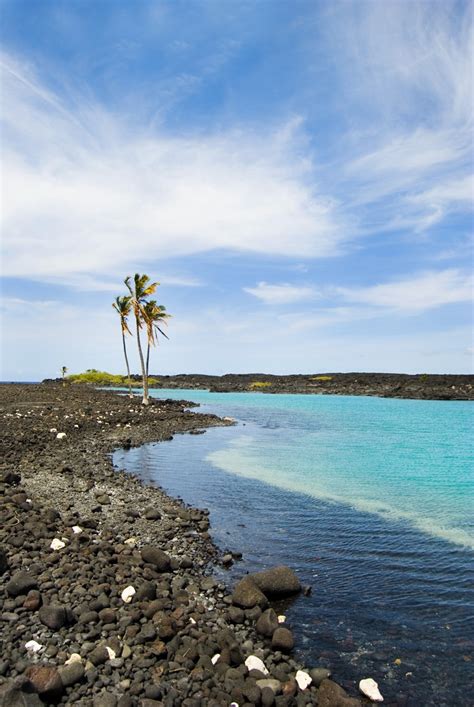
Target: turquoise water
[(405, 460), (370, 501)]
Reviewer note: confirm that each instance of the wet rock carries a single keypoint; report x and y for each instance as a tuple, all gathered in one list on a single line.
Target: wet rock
[(156, 557), (21, 583), (247, 595), (267, 623), (332, 695), (282, 640), (318, 675), (277, 582)]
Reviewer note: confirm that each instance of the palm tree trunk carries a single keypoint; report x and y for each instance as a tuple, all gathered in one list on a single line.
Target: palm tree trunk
[(147, 360), (145, 400), (127, 364)]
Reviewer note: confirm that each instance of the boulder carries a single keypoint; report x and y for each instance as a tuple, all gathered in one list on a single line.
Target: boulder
[(267, 623), (332, 695), (247, 595), (282, 640), (156, 557), (21, 583), (277, 582)]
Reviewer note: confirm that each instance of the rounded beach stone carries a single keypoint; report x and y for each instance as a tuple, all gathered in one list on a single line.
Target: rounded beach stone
[(45, 679), (330, 694), (21, 583), (319, 674), (267, 623), (156, 557), (53, 616), (282, 640), (71, 673), (247, 595)]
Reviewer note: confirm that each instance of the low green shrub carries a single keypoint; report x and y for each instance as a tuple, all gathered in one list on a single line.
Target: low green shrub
[(321, 378), (258, 385), (102, 378)]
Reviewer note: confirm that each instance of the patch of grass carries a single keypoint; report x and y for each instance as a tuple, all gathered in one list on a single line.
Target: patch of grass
[(321, 378), (259, 385)]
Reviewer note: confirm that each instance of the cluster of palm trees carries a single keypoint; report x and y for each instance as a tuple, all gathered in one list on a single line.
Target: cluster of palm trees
[(148, 315)]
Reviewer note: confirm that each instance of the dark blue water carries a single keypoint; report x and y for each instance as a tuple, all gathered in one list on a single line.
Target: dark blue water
[(391, 599)]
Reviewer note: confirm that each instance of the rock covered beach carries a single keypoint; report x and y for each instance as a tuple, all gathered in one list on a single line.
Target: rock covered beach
[(106, 584)]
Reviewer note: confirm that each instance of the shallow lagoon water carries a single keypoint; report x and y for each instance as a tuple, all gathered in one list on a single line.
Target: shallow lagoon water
[(370, 500)]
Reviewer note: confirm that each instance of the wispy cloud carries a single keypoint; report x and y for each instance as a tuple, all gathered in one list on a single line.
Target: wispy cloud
[(415, 294), (407, 70), (83, 194), (281, 294)]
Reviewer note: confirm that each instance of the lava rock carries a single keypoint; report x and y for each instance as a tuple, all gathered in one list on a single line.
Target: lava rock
[(332, 695), (277, 582), (46, 680), (282, 640), (53, 616), (247, 595), (267, 624), (156, 557), (21, 583)]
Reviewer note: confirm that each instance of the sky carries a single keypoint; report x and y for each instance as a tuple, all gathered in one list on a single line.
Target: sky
[(297, 175)]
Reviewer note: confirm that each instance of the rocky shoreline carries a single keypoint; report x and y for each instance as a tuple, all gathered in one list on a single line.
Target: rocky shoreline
[(385, 385), (108, 597)]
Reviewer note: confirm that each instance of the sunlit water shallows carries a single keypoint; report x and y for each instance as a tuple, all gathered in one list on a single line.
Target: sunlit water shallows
[(371, 500)]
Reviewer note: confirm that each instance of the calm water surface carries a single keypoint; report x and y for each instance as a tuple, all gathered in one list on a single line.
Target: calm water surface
[(370, 500)]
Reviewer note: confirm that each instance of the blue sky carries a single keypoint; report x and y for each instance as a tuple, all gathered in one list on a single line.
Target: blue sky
[(297, 175)]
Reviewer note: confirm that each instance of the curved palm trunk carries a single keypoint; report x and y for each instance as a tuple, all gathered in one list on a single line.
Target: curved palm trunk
[(145, 400), (147, 360), (127, 364)]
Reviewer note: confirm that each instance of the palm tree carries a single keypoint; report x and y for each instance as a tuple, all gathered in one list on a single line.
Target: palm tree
[(123, 307), (154, 314), (140, 289), (63, 373)]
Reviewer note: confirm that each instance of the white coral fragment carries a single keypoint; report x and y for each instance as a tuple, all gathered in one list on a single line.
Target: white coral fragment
[(127, 594), (33, 646), (370, 689), (254, 663), (57, 544), (303, 679), (61, 435)]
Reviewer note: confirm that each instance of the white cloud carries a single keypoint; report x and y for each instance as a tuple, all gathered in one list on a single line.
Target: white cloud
[(410, 73), (415, 294), (84, 195), (281, 294)]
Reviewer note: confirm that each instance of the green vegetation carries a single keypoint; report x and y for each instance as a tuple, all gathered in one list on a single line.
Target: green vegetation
[(259, 385), (321, 378), (102, 378), (424, 377)]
